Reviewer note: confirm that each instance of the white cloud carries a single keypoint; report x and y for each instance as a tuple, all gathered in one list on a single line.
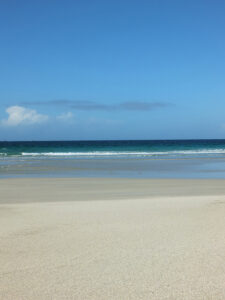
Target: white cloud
[(65, 116), (19, 115)]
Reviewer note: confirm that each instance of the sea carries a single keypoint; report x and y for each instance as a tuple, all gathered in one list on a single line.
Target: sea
[(117, 158)]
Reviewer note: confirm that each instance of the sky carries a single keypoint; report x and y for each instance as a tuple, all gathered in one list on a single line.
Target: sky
[(120, 69)]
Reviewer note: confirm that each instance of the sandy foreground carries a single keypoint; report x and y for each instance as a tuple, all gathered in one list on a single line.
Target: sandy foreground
[(112, 239)]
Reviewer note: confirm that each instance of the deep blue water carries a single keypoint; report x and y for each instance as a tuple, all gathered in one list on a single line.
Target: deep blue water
[(116, 149), (148, 159)]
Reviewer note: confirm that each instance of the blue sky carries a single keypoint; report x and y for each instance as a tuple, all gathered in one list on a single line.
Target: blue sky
[(123, 69)]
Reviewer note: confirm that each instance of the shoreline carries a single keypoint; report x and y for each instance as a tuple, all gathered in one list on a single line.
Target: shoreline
[(113, 168)]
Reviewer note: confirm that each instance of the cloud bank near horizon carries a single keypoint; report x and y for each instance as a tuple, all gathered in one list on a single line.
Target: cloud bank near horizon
[(94, 106), (22, 114)]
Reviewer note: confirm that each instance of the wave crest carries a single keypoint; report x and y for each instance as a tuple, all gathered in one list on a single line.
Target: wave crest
[(127, 153)]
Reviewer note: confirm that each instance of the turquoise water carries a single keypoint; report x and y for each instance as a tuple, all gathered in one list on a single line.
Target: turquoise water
[(148, 159), (116, 149)]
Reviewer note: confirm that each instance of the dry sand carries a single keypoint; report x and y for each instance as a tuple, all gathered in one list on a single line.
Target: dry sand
[(130, 239)]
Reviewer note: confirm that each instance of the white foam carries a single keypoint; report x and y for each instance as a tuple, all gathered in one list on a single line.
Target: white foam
[(127, 153), (94, 153)]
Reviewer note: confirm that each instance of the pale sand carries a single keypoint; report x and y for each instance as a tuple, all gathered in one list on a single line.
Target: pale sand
[(151, 239)]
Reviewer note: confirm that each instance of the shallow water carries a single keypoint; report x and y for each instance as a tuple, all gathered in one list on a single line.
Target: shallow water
[(130, 168), (138, 159)]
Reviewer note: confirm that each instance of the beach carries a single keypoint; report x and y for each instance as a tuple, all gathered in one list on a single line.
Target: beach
[(93, 238), (112, 150)]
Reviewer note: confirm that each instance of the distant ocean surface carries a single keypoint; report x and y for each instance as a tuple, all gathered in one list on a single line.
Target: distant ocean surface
[(147, 158), (116, 149)]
